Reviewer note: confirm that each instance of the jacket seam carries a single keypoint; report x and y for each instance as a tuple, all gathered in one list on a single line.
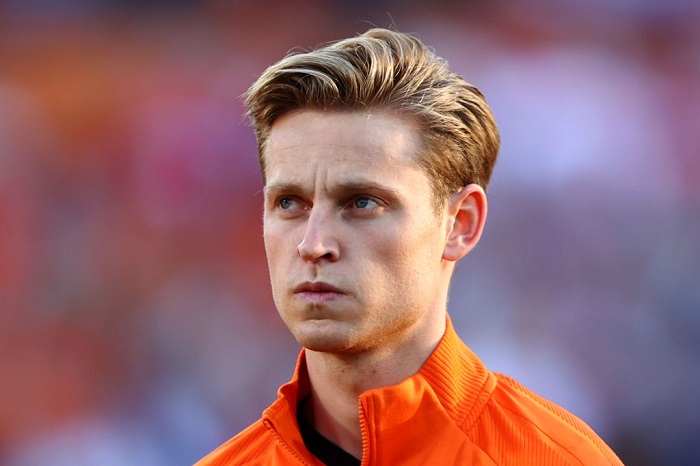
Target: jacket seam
[(289, 449), (557, 414), (531, 423), (473, 413)]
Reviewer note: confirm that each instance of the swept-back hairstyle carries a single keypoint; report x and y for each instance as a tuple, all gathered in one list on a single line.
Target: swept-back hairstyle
[(391, 71)]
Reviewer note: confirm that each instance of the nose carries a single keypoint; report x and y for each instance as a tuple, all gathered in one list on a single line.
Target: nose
[(320, 241)]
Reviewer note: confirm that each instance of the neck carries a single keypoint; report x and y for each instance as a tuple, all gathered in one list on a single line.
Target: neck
[(338, 380)]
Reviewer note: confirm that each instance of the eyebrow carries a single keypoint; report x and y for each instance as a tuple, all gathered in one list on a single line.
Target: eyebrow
[(363, 185), (347, 186), (281, 187)]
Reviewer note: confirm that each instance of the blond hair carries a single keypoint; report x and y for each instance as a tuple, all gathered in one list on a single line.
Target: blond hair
[(388, 70)]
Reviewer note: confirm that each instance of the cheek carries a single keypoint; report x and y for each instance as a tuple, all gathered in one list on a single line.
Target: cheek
[(274, 251), (398, 260), (412, 263), (280, 241), (274, 237), (421, 245)]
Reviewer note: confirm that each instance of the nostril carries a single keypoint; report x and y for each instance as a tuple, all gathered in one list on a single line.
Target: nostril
[(312, 252)]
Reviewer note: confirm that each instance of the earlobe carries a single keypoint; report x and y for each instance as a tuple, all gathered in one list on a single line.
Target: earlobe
[(466, 215)]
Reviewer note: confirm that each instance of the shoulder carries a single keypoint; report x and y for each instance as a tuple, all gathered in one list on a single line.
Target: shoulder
[(245, 448), (518, 422)]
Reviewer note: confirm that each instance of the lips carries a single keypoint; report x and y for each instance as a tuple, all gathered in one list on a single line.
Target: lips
[(317, 292), (316, 287)]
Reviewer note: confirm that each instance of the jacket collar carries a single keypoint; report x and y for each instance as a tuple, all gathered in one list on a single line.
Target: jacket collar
[(459, 379), (453, 373)]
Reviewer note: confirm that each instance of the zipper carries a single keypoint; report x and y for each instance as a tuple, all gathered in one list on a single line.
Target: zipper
[(364, 429)]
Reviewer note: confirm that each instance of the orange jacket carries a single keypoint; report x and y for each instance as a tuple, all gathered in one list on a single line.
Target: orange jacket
[(452, 412)]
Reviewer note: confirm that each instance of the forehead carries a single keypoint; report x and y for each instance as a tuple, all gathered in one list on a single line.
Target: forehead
[(312, 139)]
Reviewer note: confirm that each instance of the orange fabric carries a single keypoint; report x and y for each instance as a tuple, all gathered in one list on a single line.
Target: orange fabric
[(453, 411)]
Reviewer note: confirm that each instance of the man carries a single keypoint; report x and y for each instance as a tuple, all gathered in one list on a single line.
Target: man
[(375, 158)]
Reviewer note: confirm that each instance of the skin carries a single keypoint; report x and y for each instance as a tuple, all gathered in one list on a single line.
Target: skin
[(360, 260)]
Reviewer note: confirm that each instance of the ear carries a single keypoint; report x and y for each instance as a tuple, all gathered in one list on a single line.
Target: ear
[(466, 215)]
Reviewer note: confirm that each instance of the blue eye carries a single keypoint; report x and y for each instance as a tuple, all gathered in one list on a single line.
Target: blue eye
[(286, 203), (363, 202)]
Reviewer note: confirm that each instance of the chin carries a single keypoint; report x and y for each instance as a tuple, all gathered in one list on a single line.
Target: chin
[(323, 336)]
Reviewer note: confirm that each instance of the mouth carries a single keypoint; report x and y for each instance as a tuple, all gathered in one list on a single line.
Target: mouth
[(317, 292), (316, 287)]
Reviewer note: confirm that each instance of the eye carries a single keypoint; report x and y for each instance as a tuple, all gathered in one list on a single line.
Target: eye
[(364, 202), (288, 203)]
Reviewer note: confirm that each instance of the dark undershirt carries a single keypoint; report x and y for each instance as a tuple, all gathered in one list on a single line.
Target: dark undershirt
[(322, 448)]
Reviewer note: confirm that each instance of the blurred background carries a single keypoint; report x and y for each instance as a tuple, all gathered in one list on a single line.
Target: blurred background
[(136, 323)]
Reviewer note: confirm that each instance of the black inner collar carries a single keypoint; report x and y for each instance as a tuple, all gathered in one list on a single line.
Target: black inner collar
[(320, 446)]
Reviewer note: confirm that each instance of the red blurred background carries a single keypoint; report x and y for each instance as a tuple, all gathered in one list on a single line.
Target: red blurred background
[(136, 324)]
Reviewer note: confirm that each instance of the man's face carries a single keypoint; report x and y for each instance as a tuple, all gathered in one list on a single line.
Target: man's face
[(353, 242)]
